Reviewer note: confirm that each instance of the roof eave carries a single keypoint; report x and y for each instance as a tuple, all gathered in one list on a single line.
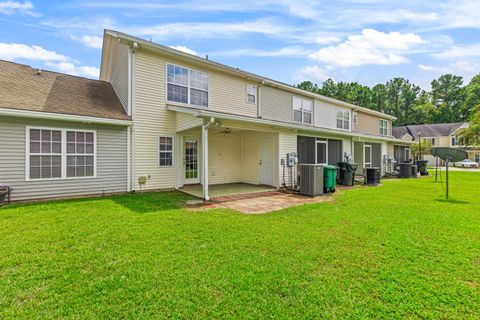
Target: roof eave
[(62, 117), (270, 82)]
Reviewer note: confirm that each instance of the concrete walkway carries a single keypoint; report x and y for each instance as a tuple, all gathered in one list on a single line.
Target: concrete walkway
[(257, 203)]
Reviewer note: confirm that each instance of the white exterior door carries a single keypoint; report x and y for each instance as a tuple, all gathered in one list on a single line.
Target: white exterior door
[(367, 156), (190, 161), (266, 161)]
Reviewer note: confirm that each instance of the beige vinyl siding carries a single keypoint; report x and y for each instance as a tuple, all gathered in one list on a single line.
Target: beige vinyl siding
[(326, 114), (224, 157), (277, 104), (151, 121), (119, 72), (111, 161), (287, 142), (226, 93), (370, 124), (186, 121)]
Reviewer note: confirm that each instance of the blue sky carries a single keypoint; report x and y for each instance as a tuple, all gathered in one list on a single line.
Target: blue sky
[(366, 41)]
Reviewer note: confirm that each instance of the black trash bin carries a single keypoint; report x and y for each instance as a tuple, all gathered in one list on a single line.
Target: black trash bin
[(347, 173), (422, 167)]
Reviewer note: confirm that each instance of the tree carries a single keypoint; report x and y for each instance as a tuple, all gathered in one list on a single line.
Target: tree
[(471, 101), (308, 86), (401, 96), (472, 133), (447, 96), (415, 147)]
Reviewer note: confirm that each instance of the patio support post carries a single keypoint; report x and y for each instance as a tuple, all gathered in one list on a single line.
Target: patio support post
[(205, 161)]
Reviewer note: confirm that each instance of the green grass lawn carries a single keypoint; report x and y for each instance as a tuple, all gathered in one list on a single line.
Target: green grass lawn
[(394, 251)]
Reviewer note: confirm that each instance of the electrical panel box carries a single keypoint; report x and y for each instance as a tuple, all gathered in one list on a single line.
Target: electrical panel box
[(292, 159)]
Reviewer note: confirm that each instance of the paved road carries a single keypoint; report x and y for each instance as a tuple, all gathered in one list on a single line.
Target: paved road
[(455, 169)]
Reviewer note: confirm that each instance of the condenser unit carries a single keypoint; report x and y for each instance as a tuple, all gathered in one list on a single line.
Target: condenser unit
[(311, 179)]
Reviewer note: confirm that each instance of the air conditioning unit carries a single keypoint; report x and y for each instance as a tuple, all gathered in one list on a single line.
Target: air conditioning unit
[(372, 176), (311, 179)]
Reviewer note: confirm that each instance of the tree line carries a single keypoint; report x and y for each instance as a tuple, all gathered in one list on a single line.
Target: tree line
[(449, 100)]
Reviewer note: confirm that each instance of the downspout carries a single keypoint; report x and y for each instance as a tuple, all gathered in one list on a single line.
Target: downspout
[(131, 108), (259, 115)]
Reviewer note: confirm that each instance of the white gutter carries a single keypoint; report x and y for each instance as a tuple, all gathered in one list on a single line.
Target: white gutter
[(250, 76), (61, 117), (208, 114)]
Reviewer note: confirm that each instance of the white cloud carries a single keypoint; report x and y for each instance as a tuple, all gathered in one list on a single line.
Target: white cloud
[(70, 68), (52, 59), (424, 67), (12, 7), (370, 47), (184, 49), (252, 52), (312, 73), (15, 51), (460, 52), (95, 42), (203, 30)]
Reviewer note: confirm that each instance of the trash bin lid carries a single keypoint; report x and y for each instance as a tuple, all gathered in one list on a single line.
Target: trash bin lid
[(330, 167)]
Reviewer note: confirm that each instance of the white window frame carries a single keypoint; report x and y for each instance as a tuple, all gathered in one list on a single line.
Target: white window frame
[(252, 87), (343, 112), (383, 127), (367, 146), (325, 142), (407, 154), (63, 154), (158, 151), (302, 109), (189, 87)]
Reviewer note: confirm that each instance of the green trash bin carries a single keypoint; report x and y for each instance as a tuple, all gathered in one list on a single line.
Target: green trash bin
[(329, 178)]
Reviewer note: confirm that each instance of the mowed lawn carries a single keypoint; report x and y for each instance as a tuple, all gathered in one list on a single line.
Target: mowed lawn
[(394, 251)]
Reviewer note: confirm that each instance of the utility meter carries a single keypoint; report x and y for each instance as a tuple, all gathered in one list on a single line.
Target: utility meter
[(292, 159)]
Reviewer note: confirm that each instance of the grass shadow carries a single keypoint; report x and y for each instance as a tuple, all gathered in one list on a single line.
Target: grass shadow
[(152, 201), (453, 201)]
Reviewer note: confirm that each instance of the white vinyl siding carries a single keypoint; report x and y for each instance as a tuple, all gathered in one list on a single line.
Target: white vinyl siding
[(118, 75)]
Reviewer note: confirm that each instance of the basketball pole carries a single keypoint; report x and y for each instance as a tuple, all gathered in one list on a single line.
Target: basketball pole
[(436, 169), (447, 178)]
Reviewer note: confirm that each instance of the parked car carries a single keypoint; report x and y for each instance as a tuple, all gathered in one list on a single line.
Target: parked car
[(467, 163)]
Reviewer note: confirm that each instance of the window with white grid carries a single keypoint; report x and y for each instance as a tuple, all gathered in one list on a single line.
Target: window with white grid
[(44, 153), (80, 154), (187, 86)]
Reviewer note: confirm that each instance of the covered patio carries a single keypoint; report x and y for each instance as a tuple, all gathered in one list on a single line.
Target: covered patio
[(220, 157), (227, 189)]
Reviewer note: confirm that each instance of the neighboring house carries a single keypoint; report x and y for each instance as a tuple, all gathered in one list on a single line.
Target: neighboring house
[(60, 135), (438, 135), (196, 121)]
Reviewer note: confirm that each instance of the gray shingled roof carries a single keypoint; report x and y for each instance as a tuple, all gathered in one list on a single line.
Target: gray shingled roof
[(24, 88), (426, 130)]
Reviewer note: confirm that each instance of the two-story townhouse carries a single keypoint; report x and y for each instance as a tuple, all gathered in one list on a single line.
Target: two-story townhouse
[(196, 121), (438, 135)]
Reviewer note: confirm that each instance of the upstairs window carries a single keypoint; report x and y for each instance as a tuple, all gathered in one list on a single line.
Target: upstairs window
[(384, 127), (343, 119), (302, 110), (251, 93), (187, 86)]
